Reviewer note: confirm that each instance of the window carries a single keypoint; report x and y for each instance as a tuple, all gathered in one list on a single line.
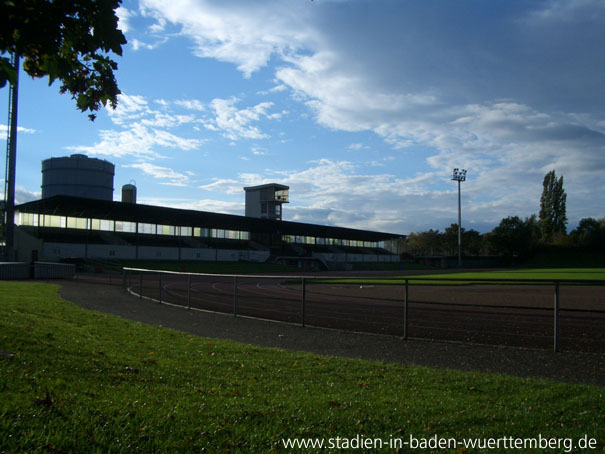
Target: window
[(107, 225), (101, 224), (128, 227), (27, 219), (165, 230), (232, 234), (148, 229), (186, 231), (77, 223), (50, 220)]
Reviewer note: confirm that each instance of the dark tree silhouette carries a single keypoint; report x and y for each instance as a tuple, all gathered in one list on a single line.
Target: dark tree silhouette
[(68, 40), (553, 209)]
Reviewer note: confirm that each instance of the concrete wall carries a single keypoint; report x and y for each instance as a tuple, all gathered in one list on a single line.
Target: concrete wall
[(158, 253), (25, 245), (57, 251), (253, 204), (349, 258)]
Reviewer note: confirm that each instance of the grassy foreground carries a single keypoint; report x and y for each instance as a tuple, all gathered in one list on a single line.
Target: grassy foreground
[(72, 380)]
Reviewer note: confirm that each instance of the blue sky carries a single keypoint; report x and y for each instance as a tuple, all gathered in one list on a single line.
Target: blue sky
[(362, 107)]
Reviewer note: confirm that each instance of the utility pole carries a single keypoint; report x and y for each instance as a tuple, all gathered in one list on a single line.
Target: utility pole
[(459, 175), (11, 166)]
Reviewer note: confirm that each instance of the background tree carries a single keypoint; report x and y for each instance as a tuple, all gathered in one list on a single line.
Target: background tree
[(553, 210), (589, 233), (512, 237), (425, 243), (472, 242), (450, 239), (67, 40)]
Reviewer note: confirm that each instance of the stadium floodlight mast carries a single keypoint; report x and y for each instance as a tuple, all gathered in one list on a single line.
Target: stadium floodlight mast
[(459, 175)]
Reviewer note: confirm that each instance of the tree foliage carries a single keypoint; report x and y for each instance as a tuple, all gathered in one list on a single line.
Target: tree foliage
[(433, 242), (425, 243), (553, 210), (68, 40), (589, 233), (512, 237)]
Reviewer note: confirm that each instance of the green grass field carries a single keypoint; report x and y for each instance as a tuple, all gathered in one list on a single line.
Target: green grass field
[(72, 380), (465, 278)]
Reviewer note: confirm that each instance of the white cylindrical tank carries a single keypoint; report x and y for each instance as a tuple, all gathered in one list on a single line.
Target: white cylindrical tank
[(129, 193), (78, 175)]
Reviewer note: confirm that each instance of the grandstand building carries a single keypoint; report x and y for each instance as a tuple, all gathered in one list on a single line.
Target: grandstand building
[(62, 227), (69, 227)]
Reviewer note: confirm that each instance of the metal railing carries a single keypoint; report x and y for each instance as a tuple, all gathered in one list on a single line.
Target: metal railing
[(342, 303)]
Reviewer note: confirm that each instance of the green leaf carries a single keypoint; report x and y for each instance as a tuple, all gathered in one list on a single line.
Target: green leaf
[(8, 73)]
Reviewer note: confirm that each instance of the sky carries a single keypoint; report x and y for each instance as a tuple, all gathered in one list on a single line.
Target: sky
[(361, 107)]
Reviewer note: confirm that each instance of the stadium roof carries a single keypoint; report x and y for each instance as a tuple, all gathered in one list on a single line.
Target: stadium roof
[(101, 209), (268, 185)]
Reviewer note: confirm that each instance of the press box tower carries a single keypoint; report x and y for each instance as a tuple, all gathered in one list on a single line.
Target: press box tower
[(265, 201)]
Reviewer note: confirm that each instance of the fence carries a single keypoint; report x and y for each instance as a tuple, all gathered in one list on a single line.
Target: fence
[(517, 312), (36, 270)]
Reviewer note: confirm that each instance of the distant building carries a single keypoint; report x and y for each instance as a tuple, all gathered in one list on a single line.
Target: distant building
[(129, 193), (265, 201), (79, 176)]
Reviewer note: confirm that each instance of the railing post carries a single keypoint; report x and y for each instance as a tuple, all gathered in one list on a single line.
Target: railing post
[(303, 301), (189, 291), (140, 284), (556, 318), (160, 288), (405, 310), (124, 279), (235, 296)]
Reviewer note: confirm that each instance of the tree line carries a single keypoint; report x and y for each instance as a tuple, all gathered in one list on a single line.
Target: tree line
[(513, 236)]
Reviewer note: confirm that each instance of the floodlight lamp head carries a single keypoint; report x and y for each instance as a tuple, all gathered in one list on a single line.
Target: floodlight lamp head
[(459, 174)]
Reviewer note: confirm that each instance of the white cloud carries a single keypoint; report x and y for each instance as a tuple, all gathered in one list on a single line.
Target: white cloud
[(357, 147), (142, 131), (236, 123), (191, 104), (22, 194), (137, 141), (212, 206), (171, 177), (4, 131), (257, 151), (242, 32), (124, 16), (227, 186)]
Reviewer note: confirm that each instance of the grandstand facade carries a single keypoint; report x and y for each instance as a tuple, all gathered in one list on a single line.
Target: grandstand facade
[(67, 227)]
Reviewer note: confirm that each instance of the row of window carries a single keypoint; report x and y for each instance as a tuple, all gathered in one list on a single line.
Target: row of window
[(48, 220), (330, 241)]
